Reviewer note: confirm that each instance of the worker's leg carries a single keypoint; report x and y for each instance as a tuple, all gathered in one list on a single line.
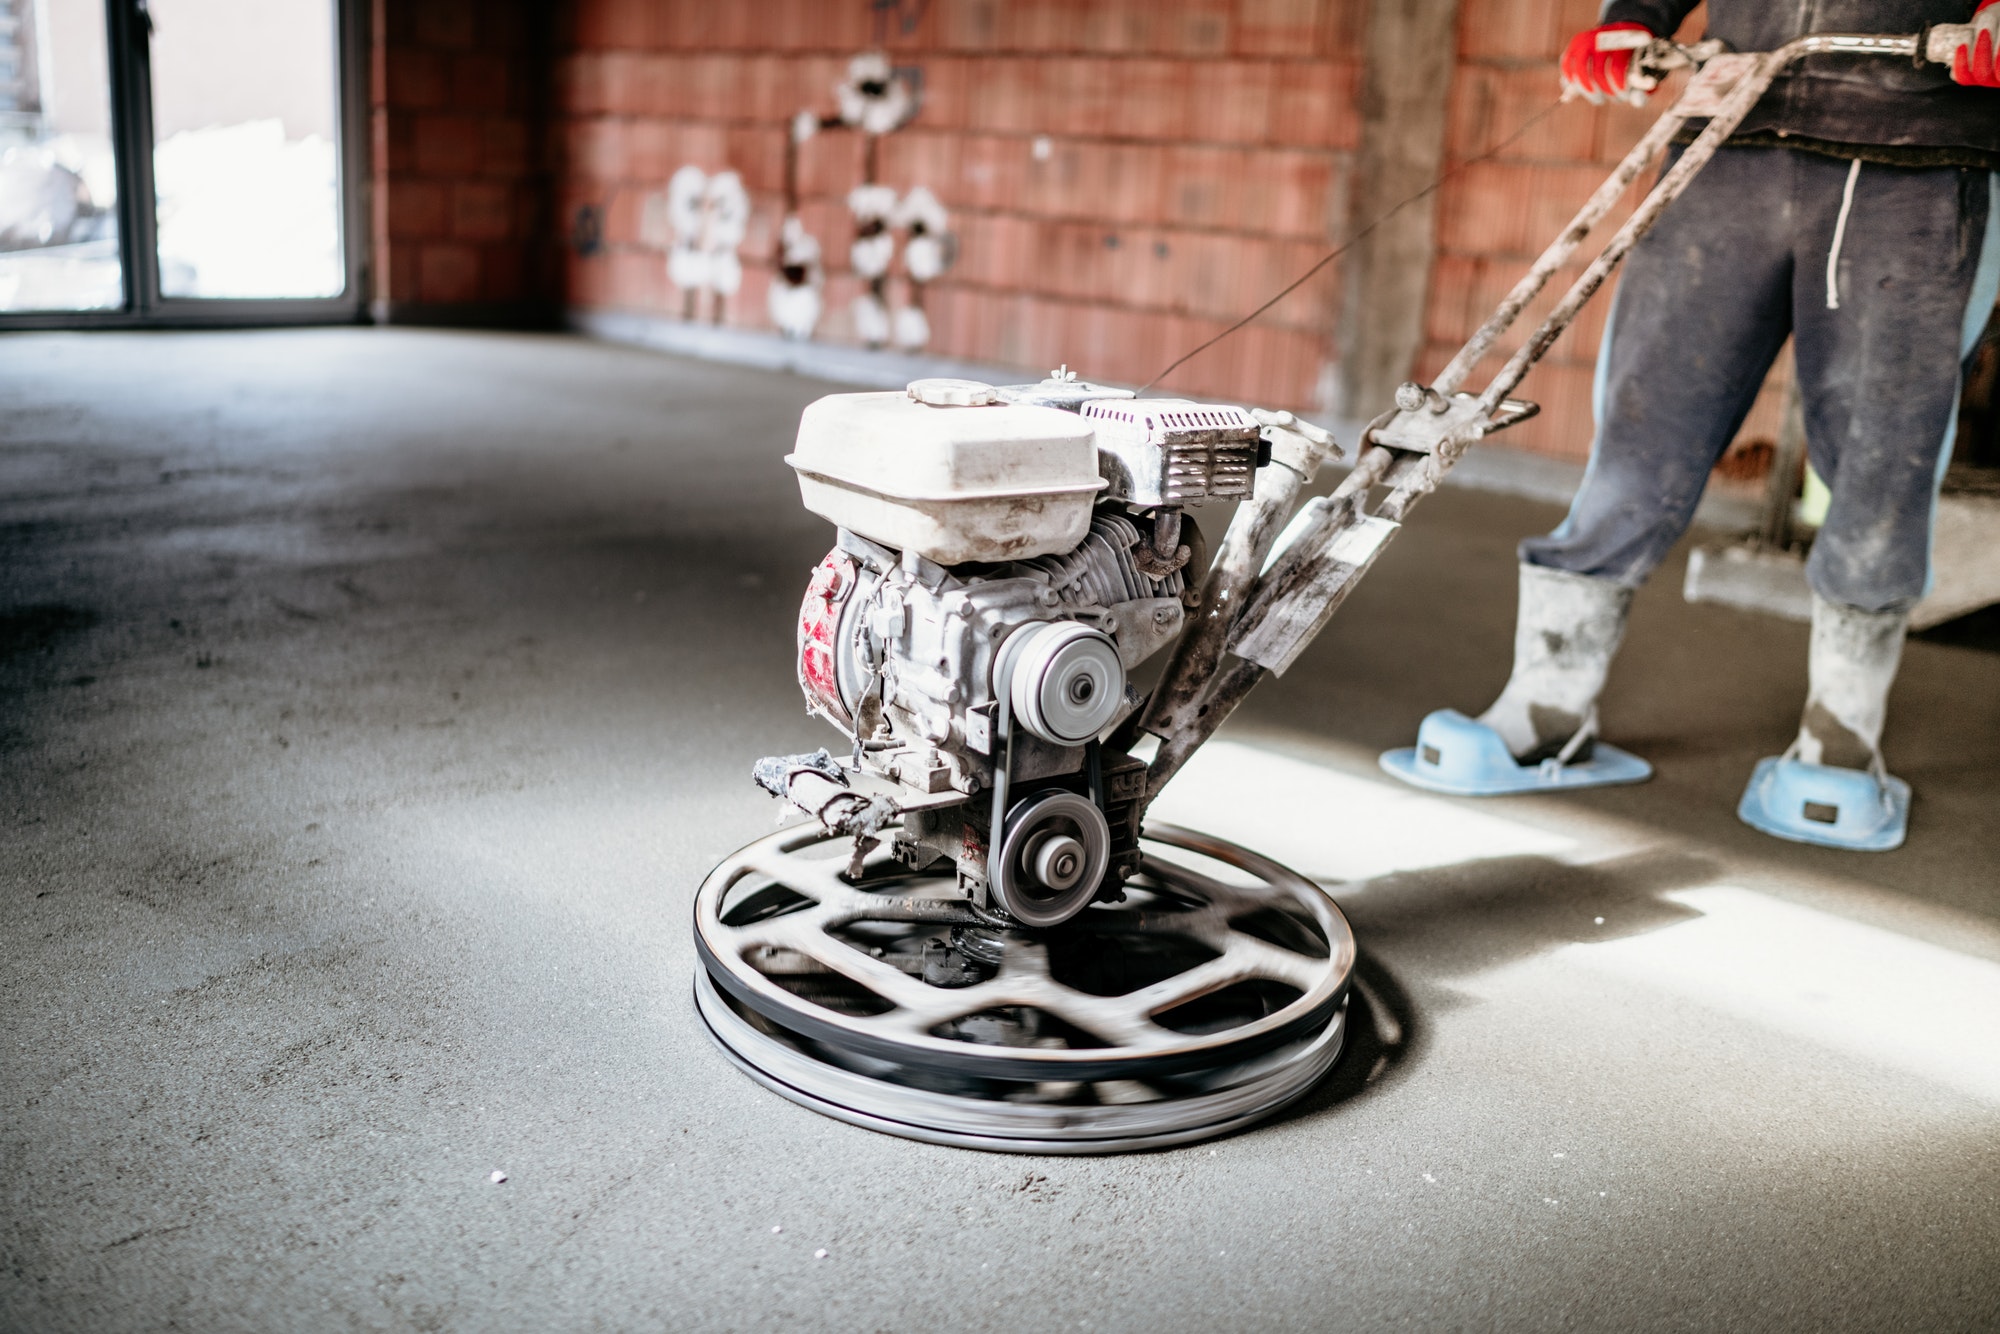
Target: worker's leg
[(1702, 309), (1882, 342), (1879, 372), (1567, 628), (1911, 268)]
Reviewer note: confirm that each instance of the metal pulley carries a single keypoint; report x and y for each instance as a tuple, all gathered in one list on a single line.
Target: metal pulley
[(1066, 682), (1052, 858)]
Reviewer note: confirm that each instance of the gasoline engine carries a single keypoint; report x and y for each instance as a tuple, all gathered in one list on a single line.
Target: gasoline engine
[(1005, 559)]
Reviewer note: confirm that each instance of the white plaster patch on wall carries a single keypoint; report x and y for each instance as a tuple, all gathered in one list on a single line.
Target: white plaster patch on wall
[(700, 220)]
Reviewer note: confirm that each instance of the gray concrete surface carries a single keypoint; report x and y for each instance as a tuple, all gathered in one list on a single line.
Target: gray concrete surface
[(371, 703)]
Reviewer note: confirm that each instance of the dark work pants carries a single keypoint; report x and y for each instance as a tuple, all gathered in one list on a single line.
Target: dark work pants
[(1733, 266)]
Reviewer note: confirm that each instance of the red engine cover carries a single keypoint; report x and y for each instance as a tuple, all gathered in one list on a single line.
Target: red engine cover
[(832, 585)]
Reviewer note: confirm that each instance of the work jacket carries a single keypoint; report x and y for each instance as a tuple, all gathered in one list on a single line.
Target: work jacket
[(1840, 99)]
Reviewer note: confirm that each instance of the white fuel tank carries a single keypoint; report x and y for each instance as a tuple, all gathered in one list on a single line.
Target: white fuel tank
[(947, 470)]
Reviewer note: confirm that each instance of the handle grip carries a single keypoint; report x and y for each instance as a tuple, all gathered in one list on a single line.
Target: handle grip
[(1656, 55), (1942, 40)]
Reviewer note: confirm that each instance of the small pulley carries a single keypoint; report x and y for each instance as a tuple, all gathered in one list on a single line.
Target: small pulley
[(1052, 859)]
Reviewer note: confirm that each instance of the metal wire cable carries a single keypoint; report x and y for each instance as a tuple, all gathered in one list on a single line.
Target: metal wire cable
[(1357, 238)]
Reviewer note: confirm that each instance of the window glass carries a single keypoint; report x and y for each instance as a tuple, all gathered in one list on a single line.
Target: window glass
[(58, 174), (246, 164)]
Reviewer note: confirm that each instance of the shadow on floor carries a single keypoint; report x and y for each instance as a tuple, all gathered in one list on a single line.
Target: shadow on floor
[(1975, 630), (1418, 930), (1470, 917), (1385, 1036)]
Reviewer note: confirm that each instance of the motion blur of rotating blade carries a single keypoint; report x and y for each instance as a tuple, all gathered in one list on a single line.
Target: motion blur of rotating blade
[(883, 1000)]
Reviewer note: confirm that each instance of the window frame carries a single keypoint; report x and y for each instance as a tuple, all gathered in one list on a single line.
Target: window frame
[(128, 45)]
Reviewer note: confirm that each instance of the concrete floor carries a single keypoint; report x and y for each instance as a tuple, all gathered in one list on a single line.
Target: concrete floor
[(371, 703)]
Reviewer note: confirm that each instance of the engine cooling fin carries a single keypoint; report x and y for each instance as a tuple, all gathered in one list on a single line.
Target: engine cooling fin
[(1102, 570), (1200, 1004)]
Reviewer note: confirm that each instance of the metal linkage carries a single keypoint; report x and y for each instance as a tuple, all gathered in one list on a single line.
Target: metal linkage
[(1214, 973), (1206, 686), (1298, 449)]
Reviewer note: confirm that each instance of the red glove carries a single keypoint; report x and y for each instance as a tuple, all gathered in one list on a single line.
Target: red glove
[(1975, 63), (1601, 74)]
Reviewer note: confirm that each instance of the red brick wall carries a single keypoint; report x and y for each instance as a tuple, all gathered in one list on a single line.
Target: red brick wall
[(1194, 162), (460, 187), (1125, 178), (1494, 217)]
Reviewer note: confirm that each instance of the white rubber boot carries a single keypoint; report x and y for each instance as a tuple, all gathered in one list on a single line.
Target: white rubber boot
[(1851, 665), (1541, 734), (1831, 787), (1565, 633)]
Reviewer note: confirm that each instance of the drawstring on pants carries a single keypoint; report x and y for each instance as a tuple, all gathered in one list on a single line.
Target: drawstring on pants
[(1840, 235)]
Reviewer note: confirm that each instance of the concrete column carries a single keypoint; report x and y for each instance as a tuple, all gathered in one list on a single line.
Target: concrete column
[(1411, 56)]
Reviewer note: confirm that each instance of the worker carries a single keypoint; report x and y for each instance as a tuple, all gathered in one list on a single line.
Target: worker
[(1857, 211)]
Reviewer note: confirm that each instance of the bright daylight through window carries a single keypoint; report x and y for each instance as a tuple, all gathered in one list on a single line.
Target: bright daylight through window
[(245, 152), (58, 175)]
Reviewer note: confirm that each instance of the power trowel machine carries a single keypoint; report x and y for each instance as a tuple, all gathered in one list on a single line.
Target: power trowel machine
[(977, 938)]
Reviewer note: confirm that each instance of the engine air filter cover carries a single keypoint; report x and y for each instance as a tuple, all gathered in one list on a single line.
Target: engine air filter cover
[(1171, 451), (1061, 391)]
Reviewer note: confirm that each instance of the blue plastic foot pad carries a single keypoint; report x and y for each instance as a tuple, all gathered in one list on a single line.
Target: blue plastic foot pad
[(1465, 758), (1818, 803)]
